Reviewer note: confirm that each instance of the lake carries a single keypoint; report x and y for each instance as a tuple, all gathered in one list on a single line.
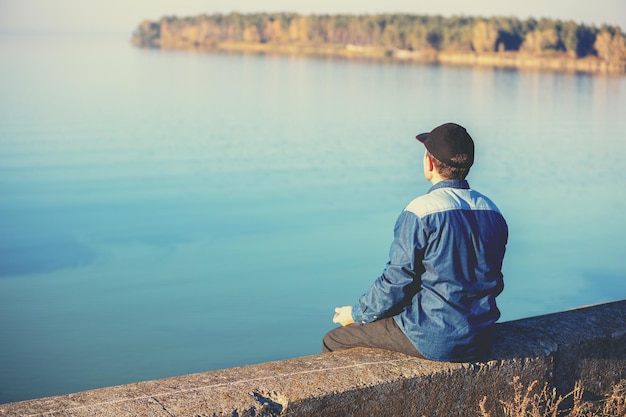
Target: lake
[(171, 212)]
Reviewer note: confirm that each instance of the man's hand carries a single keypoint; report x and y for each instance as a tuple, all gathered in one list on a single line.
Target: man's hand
[(343, 315)]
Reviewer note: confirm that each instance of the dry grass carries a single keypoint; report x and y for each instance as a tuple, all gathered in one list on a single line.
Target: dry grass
[(615, 405), (533, 401)]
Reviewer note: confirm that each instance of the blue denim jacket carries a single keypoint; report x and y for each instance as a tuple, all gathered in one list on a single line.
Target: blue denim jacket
[(443, 274)]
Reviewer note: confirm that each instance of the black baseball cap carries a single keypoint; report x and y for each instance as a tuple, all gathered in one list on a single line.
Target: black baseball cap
[(448, 141)]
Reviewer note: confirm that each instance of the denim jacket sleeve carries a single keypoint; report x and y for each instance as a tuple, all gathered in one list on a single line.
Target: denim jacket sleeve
[(400, 279)]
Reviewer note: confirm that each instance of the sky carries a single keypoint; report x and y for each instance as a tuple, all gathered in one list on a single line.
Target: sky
[(123, 16)]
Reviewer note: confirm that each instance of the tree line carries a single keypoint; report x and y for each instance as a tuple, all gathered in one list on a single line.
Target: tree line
[(393, 31)]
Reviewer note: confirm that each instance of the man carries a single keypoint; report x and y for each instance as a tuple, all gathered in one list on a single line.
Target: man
[(436, 298)]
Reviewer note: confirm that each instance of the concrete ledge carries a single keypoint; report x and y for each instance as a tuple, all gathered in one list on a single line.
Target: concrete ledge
[(587, 344)]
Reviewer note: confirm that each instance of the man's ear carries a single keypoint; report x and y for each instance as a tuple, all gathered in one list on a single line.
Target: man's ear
[(429, 164)]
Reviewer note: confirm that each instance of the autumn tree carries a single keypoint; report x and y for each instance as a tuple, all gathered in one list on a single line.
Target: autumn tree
[(484, 37), (611, 45)]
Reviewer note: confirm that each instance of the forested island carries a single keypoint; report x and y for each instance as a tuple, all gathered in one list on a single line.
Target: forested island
[(495, 41)]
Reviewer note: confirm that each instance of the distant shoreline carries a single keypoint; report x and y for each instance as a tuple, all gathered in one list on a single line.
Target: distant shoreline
[(504, 60), (494, 42)]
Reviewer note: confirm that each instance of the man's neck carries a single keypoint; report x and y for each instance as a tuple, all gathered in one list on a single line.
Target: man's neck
[(435, 178)]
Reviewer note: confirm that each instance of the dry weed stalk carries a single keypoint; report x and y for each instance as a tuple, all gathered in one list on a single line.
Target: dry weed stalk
[(615, 405), (580, 407)]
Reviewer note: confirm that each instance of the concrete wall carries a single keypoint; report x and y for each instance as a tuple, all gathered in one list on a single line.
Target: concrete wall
[(587, 344)]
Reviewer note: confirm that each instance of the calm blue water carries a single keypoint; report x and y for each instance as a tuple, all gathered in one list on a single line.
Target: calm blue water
[(164, 213)]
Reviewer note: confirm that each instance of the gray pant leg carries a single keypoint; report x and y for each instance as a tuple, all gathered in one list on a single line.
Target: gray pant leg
[(383, 334)]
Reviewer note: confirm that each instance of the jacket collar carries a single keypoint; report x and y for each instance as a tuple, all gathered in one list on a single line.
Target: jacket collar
[(463, 184)]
